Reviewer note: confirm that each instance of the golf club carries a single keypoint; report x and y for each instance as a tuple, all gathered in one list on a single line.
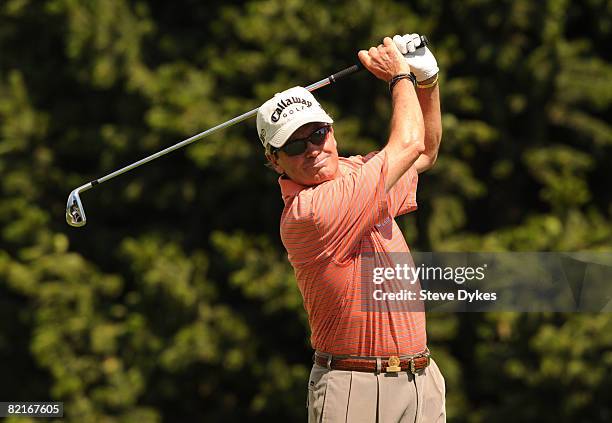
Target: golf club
[(75, 213)]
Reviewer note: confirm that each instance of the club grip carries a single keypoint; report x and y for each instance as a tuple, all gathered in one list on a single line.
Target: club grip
[(345, 72), (357, 67)]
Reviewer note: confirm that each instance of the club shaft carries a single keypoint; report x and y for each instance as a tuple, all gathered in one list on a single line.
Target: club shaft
[(176, 146), (226, 124)]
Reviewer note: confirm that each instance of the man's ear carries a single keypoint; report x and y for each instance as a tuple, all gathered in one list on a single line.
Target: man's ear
[(273, 162)]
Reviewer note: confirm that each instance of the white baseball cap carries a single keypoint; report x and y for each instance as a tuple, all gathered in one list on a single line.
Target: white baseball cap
[(284, 113)]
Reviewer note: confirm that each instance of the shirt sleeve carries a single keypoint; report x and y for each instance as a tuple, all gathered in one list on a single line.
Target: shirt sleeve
[(347, 208), (402, 197)]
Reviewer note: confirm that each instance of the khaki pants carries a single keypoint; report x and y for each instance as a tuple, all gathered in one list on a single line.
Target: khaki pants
[(354, 397)]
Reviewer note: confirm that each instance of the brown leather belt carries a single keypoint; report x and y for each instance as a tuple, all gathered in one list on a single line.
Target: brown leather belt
[(393, 364)]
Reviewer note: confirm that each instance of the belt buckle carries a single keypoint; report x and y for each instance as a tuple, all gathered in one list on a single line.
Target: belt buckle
[(394, 365)]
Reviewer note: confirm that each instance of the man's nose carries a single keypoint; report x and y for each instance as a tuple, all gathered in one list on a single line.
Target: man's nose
[(313, 150)]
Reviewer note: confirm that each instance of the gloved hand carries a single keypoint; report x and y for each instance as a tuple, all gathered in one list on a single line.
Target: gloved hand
[(422, 62)]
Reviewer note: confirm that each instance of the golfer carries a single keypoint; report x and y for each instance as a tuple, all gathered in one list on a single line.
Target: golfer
[(369, 366)]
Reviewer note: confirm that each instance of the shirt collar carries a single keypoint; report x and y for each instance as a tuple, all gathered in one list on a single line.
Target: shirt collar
[(289, 189)]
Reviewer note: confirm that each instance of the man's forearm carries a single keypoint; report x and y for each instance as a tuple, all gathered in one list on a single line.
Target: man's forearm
[(405, 143), (429, 99)]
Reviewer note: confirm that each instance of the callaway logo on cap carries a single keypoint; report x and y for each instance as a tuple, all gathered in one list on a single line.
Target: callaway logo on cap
[(284, 113)]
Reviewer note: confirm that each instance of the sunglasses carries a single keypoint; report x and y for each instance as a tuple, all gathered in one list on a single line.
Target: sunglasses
[(299, 146)]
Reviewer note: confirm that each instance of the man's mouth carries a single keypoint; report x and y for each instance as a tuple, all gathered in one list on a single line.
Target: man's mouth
[(320, 163)]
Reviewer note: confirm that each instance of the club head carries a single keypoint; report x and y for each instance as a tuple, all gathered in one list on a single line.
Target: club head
[(75, 213)]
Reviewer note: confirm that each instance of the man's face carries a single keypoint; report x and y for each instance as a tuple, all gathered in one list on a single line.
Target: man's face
[(319, 163)]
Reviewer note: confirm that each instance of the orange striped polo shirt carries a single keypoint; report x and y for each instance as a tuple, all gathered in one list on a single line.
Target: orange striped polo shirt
[(326, 229)]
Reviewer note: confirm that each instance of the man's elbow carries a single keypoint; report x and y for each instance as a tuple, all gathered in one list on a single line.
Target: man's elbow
[(418, 139), (430, 155), (424, 163), (420, 147), (432, 160), (414, 143), (426, 160)]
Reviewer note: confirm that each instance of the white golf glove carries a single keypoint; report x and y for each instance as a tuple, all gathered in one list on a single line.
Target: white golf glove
[(422, 62)]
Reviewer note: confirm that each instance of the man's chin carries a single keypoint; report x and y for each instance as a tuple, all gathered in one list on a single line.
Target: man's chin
[(319, 179), (323, 175)]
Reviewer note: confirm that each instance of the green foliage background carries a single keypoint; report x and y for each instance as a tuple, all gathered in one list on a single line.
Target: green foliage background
[(176, 302)]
